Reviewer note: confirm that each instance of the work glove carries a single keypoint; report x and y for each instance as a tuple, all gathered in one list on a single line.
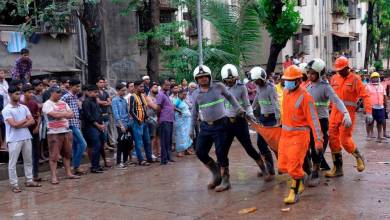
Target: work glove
[(369, 118), (241, 113), (347, 121)]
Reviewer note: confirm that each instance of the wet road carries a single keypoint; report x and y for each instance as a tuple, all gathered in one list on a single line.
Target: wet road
[(179, 192)]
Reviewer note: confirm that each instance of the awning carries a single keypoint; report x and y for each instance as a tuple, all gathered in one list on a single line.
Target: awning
[(341, 34)]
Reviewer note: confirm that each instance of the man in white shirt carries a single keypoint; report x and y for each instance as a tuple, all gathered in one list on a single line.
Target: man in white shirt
[(17, 119)]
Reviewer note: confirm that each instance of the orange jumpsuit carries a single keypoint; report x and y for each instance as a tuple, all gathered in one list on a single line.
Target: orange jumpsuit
[(299, 116), (349, 89)]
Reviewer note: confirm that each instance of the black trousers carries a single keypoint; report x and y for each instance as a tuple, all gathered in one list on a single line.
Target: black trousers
[(316, 159), (217, 134), (123, 147), (35, 153), (240, 129), (166, 132)]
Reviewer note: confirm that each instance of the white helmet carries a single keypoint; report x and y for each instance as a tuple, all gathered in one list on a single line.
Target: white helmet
[(229, 70), (258, 73), (303, 67), (317, 65), (202, 71)]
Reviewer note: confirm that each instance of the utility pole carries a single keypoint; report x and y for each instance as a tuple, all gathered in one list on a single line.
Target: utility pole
[(200, 36)]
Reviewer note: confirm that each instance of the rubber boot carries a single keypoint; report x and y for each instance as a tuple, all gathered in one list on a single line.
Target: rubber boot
[(324, 165), (315, 177), (216, 178), (337, 169), (269, 164), (225, 185), (295, 191), (263, 171), (307, 166), (360, 166)]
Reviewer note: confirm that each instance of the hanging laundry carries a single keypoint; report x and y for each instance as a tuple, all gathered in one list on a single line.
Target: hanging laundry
[(16, 42)]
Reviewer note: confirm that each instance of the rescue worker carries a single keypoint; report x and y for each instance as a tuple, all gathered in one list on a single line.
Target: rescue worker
[(305, 80), (299, 116), (209, 106), (238, 126), (267, 100), (349, 87), (377, 93), (322, 93)]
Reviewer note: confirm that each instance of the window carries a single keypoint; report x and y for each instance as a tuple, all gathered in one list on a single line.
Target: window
[(317, 42), (359, 47), (315, 2), (325, 43), (302, 2), (359, 13)]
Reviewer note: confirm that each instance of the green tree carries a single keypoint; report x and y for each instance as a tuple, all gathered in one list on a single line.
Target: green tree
[(281, 21)]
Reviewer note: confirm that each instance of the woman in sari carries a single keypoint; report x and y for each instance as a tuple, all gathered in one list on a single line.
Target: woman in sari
[(182, 124)]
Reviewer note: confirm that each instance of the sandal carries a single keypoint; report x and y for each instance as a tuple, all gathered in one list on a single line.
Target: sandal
[(143, 163), (72, 177), (37, 179), (32, 184), (15, 189), (54, 182)]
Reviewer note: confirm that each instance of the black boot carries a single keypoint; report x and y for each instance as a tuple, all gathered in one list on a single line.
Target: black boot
[(225, 185), (263, 170), (307, 165), (337, 169), (324, 164), (269, 163), (315, 177), (216, 178)]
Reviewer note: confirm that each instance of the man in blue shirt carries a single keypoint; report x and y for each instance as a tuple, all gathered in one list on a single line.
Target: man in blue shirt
[(122, 122)]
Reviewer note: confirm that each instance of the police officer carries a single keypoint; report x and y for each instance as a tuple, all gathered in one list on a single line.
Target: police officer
[(322, 93), (238, 126), (267, 99), (209, 107)]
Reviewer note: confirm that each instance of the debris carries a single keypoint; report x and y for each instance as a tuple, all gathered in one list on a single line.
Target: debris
[(19, 214), (383, 162), (379, 201), (285, 209), (326, 184), (247, 210), (333, 189)]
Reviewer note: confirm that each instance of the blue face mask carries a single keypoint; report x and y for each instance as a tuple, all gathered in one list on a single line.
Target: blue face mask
[(290, 85)]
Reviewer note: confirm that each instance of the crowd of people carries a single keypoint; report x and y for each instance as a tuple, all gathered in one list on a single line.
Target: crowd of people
[(142, 122)]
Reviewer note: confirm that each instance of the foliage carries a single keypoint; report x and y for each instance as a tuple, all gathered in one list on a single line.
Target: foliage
[(378, 64), (285, 25)]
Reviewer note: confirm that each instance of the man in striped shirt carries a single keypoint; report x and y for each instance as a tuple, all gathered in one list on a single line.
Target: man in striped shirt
[(137, 110)]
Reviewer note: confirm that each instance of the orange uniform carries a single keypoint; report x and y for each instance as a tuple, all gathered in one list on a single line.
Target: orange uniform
[(300, 115), (349, 89)]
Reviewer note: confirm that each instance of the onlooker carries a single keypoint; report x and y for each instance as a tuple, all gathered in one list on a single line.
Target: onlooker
[(46, 94), (140, 128), (251, 86), (33, 106), (64, 85), (4, 88), (79, 144), (23, 67), (146, 80), (59, 137), (38, 90), (184, 84), (166, 118), (288, 62), (122, 122), (104, 101), (174, 92), (112, 131), (17, 120), (182, 124), (152, 120), (130, 91), (93, 127)]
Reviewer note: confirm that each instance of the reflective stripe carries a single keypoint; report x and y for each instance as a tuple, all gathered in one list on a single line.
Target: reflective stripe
[(349, 103), (326, 104), (264, 102), (299, 101), (315, 120), (212, 103), (229, 106), (288, 128)]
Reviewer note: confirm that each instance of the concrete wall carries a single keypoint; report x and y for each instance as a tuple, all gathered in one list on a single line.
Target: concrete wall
[(120, 56), (48, 54)]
